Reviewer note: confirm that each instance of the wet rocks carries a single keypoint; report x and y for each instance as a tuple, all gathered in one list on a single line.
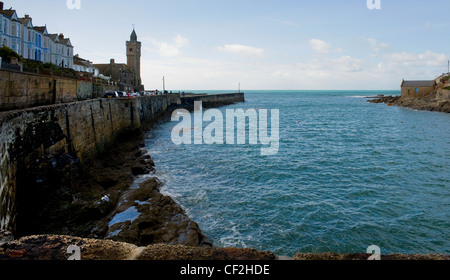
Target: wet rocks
[(102, 202), (55, 247), (5, 237), (431, 102), (117, 210), (145, 216), (385, 99)]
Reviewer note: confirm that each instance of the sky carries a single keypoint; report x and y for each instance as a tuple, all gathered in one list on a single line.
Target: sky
[(259, 44)]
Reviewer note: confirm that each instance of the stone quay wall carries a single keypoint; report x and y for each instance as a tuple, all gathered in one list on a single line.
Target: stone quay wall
[(37, 143), (25, 90)]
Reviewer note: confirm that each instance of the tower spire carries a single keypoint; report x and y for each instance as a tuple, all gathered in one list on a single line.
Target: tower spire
[(133, 36)]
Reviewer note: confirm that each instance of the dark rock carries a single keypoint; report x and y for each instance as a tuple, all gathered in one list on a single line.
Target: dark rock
[(85, 203), (55, 247), (160, 219), (52, 247), (427, 103), (5, 236)]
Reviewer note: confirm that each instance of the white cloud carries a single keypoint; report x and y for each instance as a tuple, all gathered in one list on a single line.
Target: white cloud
[(180, 41), (376, 46), (242, 50), (427, 59), (322, 47), (341, 64), (347, 64), (167, 50), (171, 49), (319, 46), (383, 70)]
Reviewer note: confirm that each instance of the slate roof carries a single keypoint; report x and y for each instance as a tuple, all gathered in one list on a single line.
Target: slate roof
[(133, 36), (8, 13), (418, 83)]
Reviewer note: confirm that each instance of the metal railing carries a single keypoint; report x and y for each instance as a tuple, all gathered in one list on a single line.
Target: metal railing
[(9, 66), (49, 72)]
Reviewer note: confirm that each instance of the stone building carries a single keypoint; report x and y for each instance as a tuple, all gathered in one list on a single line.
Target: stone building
[(118, 72), (10, 29), (84, 65), (134, 58), (414, 89), (129, 74)]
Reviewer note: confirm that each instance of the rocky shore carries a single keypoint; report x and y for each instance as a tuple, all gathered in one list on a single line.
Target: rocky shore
[(104, 211), (436, 102), (103, 201), (82, 215), (55, 247)]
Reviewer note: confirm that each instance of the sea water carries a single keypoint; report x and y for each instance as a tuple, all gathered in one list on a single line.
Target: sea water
[(349, 174)]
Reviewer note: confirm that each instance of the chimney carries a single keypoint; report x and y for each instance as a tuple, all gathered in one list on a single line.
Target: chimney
[(61, 36), (27, 16), (112, 61), (1, 6)]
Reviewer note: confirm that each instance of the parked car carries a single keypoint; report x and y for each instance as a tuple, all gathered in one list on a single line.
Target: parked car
[(149, 92), (133, 94), (111, 94), (122, 94)]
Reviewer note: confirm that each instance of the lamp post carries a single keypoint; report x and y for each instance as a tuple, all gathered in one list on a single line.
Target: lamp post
[(164, 86)]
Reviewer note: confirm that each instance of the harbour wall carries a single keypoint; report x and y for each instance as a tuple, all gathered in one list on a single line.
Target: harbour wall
[(54, 142), (26, 90)]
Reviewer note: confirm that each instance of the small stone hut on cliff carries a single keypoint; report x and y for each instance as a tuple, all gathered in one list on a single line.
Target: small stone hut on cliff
[(414, 89)]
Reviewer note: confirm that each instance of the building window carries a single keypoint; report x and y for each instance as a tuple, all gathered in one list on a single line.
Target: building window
[(38, 40), (5, 27)]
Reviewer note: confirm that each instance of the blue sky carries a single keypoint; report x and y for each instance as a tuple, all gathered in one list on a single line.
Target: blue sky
[(262, 44)]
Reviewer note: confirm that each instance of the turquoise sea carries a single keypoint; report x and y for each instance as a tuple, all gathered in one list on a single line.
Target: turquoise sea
[(348, 174)]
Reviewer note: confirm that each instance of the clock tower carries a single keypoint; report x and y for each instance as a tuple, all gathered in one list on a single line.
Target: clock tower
[(134, 58)]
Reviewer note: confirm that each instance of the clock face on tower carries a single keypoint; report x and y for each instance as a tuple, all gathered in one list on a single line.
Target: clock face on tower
[(130, 49)]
